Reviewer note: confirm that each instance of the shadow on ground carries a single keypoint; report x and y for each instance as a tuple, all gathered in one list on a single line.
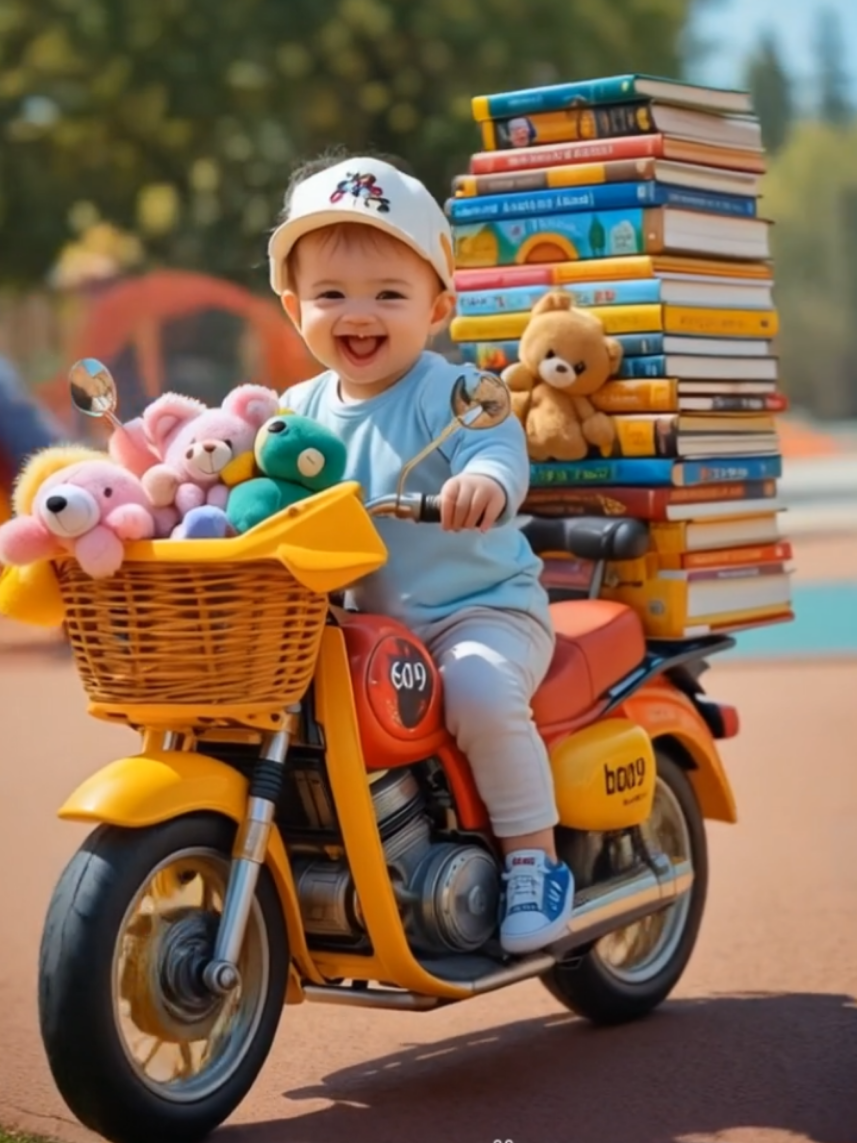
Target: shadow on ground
[(696, 1068)]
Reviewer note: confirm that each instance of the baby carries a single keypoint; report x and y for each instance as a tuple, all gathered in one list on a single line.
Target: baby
[(363, 264)]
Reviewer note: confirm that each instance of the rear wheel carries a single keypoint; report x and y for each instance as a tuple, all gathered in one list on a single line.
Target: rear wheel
[(139, 1048), (628, 973)]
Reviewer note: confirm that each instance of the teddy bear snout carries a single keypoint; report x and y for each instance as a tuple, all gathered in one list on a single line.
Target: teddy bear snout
[(207, 458), (556, 372), (70, 511)]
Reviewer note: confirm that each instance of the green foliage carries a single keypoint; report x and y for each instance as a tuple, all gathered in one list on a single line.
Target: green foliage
[(810, 192), (769, 85), (833, 102), (182, 117)]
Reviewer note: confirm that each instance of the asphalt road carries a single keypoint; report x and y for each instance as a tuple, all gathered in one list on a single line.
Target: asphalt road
[(757, 1045)]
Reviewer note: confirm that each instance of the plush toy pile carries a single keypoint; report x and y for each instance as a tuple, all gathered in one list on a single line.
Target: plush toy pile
[(612, 265), (180, 471)]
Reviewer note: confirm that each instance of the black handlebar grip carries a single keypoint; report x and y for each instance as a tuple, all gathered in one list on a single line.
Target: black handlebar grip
[(429, 510)]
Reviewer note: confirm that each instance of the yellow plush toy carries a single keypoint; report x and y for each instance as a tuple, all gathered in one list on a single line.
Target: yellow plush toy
[(564, 357), (31, 594)]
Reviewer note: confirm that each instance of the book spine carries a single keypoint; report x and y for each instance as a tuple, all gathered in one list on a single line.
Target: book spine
[(732, 557), (700, 322), (620, 269), (655, 396), (572, 124), (766, 403), (521, 299), (601, 472), (728, 469), (490, 162), (751, 571), (507, 326), (633, 368), (642, 503), (653, 436), (579, 175), (496, 355), (552, 98), (613, 196)]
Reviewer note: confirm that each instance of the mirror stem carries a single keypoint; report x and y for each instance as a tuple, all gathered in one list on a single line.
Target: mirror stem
[(431, 447)]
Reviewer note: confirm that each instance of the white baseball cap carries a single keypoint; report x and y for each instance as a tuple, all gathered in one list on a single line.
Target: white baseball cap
[(372, 192)]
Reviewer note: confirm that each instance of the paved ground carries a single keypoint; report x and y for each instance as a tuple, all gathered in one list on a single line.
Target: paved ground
[(759, 1044)]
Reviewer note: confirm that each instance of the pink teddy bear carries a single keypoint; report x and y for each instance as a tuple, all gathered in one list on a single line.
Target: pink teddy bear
[(88, 509), (180, 447)]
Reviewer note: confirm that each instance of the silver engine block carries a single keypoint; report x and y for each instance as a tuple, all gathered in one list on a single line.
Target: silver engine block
[(447, 892)]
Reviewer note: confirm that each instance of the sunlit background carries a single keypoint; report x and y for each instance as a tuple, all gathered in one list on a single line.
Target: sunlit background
[(144, 150)]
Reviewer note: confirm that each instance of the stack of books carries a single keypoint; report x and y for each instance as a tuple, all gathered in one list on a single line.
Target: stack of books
[(639, 197)]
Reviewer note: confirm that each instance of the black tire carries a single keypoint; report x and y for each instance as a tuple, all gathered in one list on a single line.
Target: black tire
[(84, 1047), (586, 985)]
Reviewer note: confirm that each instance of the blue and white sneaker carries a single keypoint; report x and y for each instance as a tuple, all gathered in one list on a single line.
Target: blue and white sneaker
[(537, 901)]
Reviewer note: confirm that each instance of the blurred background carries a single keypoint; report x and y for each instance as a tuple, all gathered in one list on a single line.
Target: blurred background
[(144, 149)]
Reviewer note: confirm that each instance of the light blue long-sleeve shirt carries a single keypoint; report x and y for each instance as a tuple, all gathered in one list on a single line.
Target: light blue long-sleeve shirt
[(430, 573)]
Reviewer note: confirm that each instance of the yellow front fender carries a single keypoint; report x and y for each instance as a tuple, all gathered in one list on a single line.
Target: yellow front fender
[(150, 788)]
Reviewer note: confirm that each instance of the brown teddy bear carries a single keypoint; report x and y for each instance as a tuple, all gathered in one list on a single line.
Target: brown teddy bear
[(564, 357)]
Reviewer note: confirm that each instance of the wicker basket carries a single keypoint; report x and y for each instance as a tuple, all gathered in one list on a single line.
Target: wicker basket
[(242, 634)]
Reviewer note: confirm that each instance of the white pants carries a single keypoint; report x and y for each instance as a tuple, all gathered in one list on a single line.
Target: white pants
[(492, 662)]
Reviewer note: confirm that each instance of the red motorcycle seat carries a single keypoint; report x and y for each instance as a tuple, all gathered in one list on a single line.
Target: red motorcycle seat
[(598, 642)]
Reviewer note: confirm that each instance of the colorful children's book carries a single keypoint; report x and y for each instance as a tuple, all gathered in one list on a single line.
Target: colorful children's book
[(713, 179), (743, 375), (630, 147), (612, 89), (629, 319), (655, 471), (697, 501), (635, 292), (615, 196), (589, 234), (682, 604), (613, 269), (669, 395), (618, 120)]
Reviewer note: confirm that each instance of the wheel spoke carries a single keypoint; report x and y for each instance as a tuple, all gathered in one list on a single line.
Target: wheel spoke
[(168, 932), (638, 952)]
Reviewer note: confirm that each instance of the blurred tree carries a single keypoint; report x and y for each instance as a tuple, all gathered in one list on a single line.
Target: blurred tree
[(810, 192), (770, 86), (180, 118), (833, 102)]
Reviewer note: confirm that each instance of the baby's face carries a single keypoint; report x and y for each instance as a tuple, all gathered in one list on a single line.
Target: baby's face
[(365, 304)]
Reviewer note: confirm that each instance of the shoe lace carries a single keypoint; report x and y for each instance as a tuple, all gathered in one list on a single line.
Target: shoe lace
[(522, 888)]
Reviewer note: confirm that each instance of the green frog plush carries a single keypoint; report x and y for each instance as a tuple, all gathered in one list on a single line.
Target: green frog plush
[(296, 457)]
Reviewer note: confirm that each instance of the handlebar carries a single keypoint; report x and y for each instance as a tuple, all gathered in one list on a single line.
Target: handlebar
[(420, 507)]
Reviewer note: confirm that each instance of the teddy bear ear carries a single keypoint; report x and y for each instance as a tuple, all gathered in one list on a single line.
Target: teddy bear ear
[(165, 416), (252, 403), (555, 300)]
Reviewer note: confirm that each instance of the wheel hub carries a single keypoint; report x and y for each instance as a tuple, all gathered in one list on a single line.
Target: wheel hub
[(186, 948)]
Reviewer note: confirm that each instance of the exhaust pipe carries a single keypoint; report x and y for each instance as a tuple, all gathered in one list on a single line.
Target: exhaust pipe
[(599, 910), (622, 901)]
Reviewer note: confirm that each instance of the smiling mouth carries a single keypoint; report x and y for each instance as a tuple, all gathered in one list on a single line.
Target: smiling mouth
[(361, 350)]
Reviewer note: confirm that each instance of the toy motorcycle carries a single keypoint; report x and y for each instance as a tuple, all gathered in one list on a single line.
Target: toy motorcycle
[(298, 825)]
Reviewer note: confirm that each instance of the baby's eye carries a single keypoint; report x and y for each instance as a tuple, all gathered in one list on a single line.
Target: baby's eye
[(331, 295), (390, 296), (579, 367)]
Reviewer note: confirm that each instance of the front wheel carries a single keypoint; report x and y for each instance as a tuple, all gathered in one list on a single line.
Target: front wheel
[(628, 973), (138, 1047)]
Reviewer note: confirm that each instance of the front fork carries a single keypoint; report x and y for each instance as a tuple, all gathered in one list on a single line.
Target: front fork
[(221, 975)]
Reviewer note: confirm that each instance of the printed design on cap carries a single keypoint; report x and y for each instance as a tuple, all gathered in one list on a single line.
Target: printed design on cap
[(362, 187)]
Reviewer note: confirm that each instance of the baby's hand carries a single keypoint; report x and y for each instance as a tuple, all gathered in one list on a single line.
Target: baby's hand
[(471, 502)]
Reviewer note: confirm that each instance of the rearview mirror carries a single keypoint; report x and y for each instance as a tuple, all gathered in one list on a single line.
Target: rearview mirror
[(93, 390), (480, 401)]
